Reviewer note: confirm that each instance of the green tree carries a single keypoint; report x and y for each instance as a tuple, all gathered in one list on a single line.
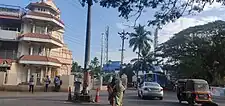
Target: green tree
[(95, 67), (145, 61), (165, 10), (192, 52), (128, 70), (139, 40), (76, 67)]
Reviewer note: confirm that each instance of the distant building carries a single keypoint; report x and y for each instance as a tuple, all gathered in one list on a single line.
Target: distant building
[(113, 66), (31, 43)]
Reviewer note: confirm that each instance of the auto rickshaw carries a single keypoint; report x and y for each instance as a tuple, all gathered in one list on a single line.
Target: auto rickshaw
[(180, 87), (194, 91)]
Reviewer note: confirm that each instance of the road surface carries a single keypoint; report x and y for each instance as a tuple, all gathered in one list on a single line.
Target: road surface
[(58, 99)]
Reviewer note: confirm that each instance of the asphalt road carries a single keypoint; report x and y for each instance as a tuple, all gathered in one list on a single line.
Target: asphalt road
[(58, 99)]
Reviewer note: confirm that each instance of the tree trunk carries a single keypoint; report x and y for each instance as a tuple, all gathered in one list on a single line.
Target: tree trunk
[(138, 67)]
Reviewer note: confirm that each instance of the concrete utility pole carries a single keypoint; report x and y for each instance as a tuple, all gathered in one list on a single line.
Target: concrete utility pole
[(107, 45), (102, 50), (87, 49), (156, 39), (101, 62), (123, 37)]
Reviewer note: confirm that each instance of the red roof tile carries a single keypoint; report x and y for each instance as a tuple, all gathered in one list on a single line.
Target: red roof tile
[(42, 36), (9, 17), (45, 15), (9, 61), (39, 58)]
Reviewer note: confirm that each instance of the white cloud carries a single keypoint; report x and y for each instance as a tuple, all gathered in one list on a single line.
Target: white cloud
[(183, 23), (215, 5), (126, 25), (121, 26)]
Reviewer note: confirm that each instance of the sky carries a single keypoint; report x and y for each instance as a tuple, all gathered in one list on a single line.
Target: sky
[(74, 17)]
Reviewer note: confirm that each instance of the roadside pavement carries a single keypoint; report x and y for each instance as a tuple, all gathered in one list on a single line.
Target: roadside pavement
[(29, 94)]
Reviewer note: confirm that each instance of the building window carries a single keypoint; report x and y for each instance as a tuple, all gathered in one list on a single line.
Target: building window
[(40, 29)]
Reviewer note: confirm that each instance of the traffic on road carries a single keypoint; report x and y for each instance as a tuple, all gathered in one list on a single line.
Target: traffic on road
[(130, 99)]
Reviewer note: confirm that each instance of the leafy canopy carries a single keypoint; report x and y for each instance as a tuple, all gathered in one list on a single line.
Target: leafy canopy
[(193, 52), (166, 10)]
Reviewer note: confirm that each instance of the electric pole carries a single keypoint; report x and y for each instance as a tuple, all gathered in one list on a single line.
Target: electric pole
[(155, 39), (123, 37), (87, 49), (102, 45), (101, 62), (107, 45)]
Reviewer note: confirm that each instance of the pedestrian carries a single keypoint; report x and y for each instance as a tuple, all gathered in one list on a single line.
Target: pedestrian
[(31, 84), (124, 81), (111, 91), (119, 89), (47, 82), (56, 81)]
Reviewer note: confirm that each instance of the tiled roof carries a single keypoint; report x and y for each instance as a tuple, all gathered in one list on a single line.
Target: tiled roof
[(10, 17), (42, 4), (42, 36), (39, 58), (9, 61), (45, 15)]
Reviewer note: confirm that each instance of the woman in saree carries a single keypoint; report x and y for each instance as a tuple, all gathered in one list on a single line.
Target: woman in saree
[(119, 89), (111, 90)]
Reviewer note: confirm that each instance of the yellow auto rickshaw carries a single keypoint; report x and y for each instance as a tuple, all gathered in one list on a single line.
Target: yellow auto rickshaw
[(194, 91)]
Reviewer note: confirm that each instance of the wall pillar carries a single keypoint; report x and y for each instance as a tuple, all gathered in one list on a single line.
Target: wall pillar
[(46, 30), (50, 71), (31, 50), (43, 51), (28, 74), (42, 75), (33, 28)]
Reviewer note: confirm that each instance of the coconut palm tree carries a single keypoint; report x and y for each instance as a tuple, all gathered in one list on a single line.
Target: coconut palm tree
[(145, 60), (139, 40)]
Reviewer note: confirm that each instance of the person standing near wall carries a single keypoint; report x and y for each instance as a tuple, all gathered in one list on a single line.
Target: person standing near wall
[(47, 82), (31, 84), (57, 83)]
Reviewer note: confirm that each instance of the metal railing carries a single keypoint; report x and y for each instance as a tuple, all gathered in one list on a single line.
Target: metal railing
[(8, 54), (11, 10)]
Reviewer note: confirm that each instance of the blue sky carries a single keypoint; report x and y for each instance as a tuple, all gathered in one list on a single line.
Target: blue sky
[(74, 17)]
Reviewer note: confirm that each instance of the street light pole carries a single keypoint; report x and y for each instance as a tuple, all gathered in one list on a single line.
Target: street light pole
[(87, 49), (123, 37)]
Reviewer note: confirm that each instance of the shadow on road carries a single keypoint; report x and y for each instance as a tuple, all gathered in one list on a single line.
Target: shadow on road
[(135, 100)]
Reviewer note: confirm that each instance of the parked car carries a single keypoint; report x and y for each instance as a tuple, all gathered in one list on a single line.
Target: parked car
[(150, 89)]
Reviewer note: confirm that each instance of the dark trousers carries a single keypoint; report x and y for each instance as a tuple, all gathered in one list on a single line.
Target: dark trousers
[(57, 87), (31, 88), (46, 87)]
